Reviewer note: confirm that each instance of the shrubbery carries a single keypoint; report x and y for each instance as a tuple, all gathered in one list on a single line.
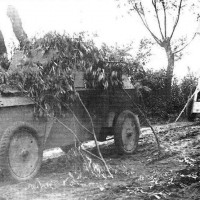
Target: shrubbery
[(155, 101), (48, 66)]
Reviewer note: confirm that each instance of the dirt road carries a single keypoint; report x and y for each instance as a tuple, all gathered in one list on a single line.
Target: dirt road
[(145, 175)]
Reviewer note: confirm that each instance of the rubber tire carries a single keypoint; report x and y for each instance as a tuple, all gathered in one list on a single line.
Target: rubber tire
[(190, 116), (4, 150), (118, 131)]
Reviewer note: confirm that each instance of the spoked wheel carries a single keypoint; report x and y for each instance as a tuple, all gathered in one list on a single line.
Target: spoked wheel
[(21, 153), (127, 131)]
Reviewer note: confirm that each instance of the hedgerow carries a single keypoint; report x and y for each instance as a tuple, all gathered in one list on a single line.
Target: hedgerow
[(155, 101)]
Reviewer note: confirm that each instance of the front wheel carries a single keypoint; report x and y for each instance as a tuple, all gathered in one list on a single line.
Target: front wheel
[(20, 152), (127, 131)]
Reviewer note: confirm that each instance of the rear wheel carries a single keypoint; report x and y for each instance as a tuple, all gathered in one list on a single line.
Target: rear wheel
[(20, 152), (127, 131)]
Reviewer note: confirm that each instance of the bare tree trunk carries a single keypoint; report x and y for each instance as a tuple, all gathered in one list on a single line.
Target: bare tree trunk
[(169, 74), (17, 25), (2, 45)]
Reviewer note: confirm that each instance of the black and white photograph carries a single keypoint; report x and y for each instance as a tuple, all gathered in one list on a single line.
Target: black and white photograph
[(99, 99)]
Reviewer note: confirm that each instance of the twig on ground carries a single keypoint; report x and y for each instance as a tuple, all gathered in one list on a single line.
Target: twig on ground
[(95, 138), (93, 132), (184, 108)]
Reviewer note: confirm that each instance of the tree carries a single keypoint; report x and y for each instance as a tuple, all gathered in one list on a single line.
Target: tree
[(18, 30), (164, 12), (144, 51), (4, 62), (3, 49)]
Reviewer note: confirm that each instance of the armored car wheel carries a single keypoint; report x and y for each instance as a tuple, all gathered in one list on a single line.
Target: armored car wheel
[(127, 131), (20, 152)]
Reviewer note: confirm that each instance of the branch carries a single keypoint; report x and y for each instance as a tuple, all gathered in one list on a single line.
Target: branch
[(70, 130), (17, 27), (93, 132), (186, 44), (95, 138), (157, 17), (78, 121), (165, 18), (145, 22), (3, 48), (184, 107), (177, 19)]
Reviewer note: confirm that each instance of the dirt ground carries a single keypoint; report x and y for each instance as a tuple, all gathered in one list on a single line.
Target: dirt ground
[(174, 174)]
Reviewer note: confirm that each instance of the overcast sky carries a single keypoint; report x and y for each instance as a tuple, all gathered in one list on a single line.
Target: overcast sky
[(101, 17)]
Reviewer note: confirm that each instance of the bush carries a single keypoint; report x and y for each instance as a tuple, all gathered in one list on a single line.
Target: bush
[(49, 64), (155, 101)]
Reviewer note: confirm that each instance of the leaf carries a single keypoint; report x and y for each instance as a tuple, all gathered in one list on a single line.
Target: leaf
[(81, 54), (146, 88)]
